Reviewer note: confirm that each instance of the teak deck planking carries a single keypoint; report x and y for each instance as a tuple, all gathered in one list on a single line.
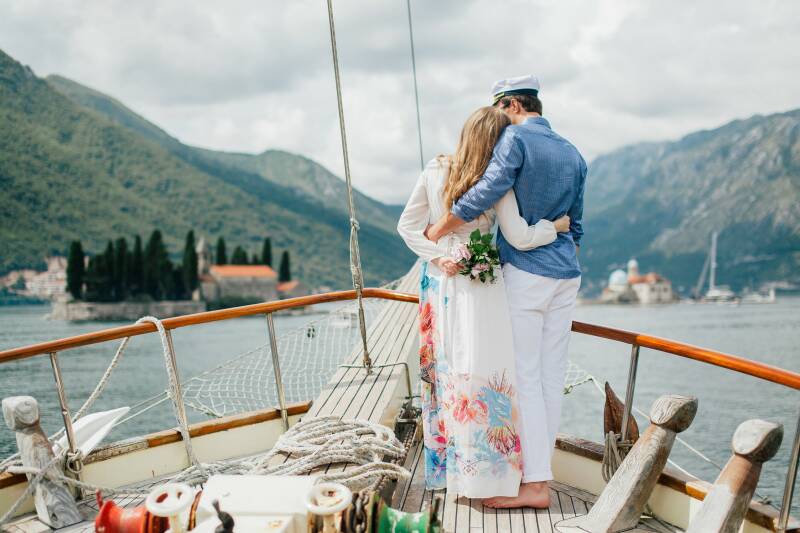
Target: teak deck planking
[(461, 514)]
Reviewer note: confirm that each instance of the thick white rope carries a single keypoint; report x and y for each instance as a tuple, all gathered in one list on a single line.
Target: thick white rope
[(171, 364), (325, 440)]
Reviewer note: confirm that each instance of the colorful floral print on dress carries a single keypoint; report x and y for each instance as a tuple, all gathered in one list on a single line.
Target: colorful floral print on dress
[(471, 442)]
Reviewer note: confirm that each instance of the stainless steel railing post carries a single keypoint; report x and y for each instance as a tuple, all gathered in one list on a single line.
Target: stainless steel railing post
[(72, 453), (626, 413), (276, 366), (791, 477)]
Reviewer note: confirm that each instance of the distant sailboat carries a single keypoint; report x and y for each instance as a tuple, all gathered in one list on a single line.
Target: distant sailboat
[(715, 293)]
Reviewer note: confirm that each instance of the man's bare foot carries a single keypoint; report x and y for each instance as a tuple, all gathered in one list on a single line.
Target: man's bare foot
[(536, 495)]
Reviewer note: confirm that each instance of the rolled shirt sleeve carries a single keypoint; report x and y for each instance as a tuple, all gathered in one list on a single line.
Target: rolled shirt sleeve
[(576, 211), (500, 175)]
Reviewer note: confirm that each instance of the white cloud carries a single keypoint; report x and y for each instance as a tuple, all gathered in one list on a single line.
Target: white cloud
[(248, 75)]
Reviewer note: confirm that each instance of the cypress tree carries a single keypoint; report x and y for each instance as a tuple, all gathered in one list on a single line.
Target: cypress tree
[(136, 269), (178, 289), (189, 266), (239, 256), (285, 271), (98, 280), (121, 269), (158, 280), (221, 255), (110, 274), (75, 270), (266, 252), (91, 294), (254, 260)]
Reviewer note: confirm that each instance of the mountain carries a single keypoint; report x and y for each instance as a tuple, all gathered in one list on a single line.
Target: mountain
[(288, 170), (660, 202), (77, 164)]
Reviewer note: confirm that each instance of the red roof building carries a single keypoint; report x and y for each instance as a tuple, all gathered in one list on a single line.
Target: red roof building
[(242, 271)]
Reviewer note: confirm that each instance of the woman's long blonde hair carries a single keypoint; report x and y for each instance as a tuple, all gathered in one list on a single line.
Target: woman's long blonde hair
[(478, 137)]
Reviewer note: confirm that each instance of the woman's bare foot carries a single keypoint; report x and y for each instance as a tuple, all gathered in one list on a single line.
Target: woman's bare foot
[(536, 495)]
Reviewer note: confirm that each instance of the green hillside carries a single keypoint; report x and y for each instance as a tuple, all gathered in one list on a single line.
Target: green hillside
[(660, 202), (295, 172), (83, 166)]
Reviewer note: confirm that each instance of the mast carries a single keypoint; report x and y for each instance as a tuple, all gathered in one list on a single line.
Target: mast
[(702, 279), (712, 280), (416, 91)]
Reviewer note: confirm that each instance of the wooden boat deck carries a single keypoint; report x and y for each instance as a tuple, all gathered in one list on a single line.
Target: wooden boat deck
[(351, 392), (461, 515)]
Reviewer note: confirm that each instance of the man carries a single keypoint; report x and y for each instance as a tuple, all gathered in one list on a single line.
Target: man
[(548, 176)]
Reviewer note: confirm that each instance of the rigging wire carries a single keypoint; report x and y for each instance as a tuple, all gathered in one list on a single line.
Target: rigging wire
[(355, 254), (416, 91)]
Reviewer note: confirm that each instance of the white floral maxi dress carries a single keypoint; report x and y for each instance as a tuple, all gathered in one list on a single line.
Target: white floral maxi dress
[(469, 400)]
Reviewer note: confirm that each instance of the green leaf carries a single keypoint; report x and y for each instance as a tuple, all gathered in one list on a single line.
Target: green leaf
[(475, 235)]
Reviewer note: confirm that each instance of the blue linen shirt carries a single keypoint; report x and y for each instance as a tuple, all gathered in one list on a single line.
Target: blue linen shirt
[(548, 175)]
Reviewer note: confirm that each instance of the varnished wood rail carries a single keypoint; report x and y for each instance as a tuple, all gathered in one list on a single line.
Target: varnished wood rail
[(732, 362), (206, 317), (771, 373)]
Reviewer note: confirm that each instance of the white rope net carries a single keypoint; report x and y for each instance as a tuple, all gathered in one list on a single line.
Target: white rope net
[(308, 355)]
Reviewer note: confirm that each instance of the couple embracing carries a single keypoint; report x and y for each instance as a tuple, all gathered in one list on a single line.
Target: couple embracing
[(493, 354)]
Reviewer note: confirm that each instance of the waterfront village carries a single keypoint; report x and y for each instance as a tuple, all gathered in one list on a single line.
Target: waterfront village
[(123, 284)]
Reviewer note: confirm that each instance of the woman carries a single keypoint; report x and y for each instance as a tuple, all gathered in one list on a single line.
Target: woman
[(470, 412)]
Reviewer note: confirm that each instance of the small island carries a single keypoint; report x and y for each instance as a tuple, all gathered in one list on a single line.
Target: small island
[(126, 283)]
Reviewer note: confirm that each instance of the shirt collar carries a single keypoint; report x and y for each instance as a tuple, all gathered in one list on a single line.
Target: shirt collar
[(538, 120)]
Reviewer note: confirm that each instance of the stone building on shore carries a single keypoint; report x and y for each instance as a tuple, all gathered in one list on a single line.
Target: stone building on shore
[(633, 287), (240, 283), (234, 283)]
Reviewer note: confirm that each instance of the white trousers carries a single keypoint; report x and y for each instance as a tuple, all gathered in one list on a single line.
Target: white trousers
[(541, 321)]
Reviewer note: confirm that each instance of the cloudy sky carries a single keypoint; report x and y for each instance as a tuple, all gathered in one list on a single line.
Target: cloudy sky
[(248, 75)]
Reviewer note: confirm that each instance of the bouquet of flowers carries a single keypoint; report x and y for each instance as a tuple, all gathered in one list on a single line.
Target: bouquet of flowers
[(478, 258)]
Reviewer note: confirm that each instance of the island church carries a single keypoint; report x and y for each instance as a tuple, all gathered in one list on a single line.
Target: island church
[(241, 283)]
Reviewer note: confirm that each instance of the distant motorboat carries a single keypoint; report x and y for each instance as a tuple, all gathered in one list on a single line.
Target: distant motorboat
[(760, 297)]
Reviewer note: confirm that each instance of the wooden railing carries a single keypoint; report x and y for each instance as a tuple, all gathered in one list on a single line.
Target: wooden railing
[(711, 357), (206, 317)]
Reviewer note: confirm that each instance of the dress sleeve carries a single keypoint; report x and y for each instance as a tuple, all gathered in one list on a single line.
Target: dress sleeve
[(516, 229), (413, 221)]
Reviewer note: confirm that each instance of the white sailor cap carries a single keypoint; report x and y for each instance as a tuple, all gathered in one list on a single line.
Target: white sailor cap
[(520, 85)]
